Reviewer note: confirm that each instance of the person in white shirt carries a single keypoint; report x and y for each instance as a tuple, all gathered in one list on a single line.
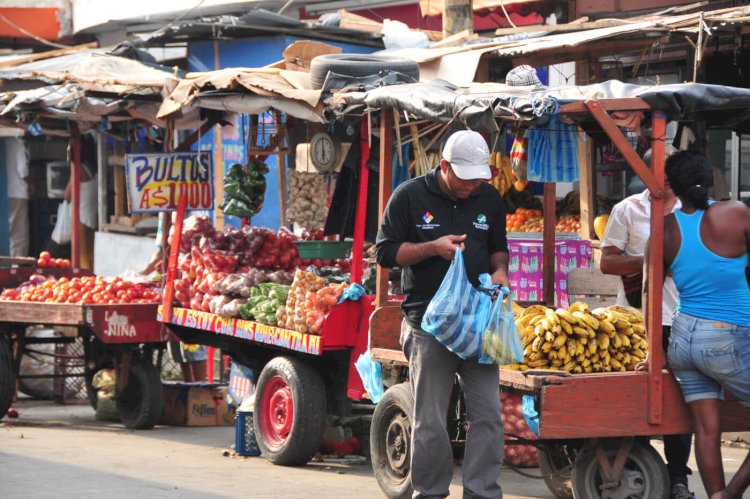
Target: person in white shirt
[(17, 169), (623, 249)]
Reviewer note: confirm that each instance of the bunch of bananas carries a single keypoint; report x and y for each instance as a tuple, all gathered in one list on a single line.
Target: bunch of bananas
[(505, 178), (580, 340)]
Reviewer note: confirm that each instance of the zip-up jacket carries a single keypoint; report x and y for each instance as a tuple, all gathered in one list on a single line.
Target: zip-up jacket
[(419, 212)]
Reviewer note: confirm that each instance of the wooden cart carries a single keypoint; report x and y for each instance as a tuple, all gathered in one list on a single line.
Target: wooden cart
[(589, 424), (123, 337)]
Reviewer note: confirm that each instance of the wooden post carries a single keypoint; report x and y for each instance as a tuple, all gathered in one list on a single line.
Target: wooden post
[(656, 272), (218, 161), (458, 15), (360, 217), (101, 178), (174, 253), (586, 186), (281, 176), (119, 179), (75, 170), (548, 250), (384, 193)]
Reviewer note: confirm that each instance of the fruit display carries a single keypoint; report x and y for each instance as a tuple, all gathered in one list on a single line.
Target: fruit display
[(568, 223), (307, 203), (319, 303), (244, 189), (580, 340), (45, 260), (82, 291), (531, 221), (515, 426), (265, 302)]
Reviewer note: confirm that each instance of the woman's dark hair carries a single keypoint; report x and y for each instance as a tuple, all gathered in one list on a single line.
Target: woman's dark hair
[(690, 176)]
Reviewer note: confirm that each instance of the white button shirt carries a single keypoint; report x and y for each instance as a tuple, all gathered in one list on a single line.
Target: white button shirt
[(628, 230)]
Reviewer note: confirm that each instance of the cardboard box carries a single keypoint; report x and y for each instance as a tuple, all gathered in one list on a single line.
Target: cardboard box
[(196, 404)]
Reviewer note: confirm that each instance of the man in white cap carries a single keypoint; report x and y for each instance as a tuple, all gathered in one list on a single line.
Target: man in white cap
[(426, 219)]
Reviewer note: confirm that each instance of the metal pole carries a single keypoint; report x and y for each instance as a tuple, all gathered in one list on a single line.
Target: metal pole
[(735, 168)]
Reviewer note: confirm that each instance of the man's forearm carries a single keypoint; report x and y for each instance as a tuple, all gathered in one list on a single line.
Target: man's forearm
[(621, 264), (413, 253)]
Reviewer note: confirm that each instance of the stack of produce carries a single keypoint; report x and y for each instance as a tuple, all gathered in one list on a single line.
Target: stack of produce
[(295, 316), (515, 221), (265, 302), (244, 189), (319, 303), (515, 426), (45, 260), (82, 291), (535, 222), (579, 340), (568, 223), (307, 203)]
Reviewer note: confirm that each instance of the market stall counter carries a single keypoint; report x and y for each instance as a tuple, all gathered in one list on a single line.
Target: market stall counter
[(115, 320)]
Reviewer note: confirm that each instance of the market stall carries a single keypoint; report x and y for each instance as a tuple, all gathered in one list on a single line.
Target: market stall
[(613, 403)]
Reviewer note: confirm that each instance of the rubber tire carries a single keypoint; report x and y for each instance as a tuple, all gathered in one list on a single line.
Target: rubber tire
[(7, 375), (308, 395), (557, 475), (643, 458), (358, 65), (397, 402), (140, 402)]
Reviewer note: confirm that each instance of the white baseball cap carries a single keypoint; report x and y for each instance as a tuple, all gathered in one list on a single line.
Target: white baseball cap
[(468, 154)]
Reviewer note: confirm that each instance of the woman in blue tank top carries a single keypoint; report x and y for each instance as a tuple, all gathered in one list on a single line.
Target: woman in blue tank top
[(706, 250)]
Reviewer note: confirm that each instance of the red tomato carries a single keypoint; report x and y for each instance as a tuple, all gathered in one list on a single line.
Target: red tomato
[(60, 262), (45, 255), (41, 263)]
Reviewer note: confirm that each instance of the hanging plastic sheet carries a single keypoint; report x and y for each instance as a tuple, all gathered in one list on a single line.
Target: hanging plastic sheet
[(400, 168), (553, 152)]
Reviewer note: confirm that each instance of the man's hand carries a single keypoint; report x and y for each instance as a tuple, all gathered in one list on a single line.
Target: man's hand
[(446, 246), (500, 277)]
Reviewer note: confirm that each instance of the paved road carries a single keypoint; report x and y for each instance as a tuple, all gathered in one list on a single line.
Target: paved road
[(55, 451)]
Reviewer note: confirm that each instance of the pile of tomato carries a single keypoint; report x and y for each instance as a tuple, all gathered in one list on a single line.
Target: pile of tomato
[(46, 260), (84, 290)]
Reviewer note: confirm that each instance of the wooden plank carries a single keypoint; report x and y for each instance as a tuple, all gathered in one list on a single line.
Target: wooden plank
[(18, 260), (585, 281), (121, 200), (618, 140), (387, 356), (587, 187), (48, 54), (385, 326), (615, 404), (548, 250), (281, 176), (17, 312), (655, 276), (624, 104)]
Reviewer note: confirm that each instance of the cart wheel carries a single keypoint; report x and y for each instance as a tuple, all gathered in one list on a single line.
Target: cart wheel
[(7, 375), (644, 476), (556, 465), (290, 411), (140, 402), (390, 441)]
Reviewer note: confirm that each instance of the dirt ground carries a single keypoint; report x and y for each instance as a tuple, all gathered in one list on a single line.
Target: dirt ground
[(63, 452)]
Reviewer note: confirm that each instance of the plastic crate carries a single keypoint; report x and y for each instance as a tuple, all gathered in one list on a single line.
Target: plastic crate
[(324, 249), (244, 435)]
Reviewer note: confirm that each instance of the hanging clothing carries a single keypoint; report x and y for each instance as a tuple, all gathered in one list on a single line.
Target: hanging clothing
[(553, 152), (400, 169)]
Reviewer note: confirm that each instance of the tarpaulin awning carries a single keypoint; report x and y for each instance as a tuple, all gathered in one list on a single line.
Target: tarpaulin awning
[(478, 105), (246, 90)]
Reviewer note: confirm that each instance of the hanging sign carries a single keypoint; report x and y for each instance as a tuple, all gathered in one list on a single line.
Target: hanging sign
[(156, 181)]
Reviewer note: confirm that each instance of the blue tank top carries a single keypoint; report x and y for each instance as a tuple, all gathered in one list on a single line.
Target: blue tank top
[(710, 286)]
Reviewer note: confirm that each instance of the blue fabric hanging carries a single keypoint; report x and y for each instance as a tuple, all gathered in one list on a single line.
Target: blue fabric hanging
[(400, 170), (553, 152)]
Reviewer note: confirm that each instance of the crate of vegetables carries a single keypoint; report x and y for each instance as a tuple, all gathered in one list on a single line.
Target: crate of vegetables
[(324, 249)]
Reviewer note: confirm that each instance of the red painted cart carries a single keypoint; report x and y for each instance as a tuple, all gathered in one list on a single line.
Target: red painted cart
[(588, 423), (123, 337)]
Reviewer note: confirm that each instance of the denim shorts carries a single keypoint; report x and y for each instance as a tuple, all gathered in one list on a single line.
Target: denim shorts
[(707, 356)]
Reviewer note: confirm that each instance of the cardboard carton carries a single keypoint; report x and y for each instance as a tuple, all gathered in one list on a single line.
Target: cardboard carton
[(196, 404)]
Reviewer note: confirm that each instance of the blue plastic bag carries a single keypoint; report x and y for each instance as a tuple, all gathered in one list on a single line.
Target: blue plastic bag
[(458, 313), (354, 292), (501, 342), (530, 414), (371, 375)]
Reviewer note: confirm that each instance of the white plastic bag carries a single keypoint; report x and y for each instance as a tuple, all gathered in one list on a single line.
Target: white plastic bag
[(62, 231)]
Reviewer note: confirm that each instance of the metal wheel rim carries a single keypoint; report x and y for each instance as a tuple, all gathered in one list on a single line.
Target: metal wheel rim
[(397, 446), (277, 411), (635, 482)]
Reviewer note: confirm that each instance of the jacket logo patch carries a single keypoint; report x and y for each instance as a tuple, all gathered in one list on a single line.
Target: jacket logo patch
[(481, 222), (427, 225)]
